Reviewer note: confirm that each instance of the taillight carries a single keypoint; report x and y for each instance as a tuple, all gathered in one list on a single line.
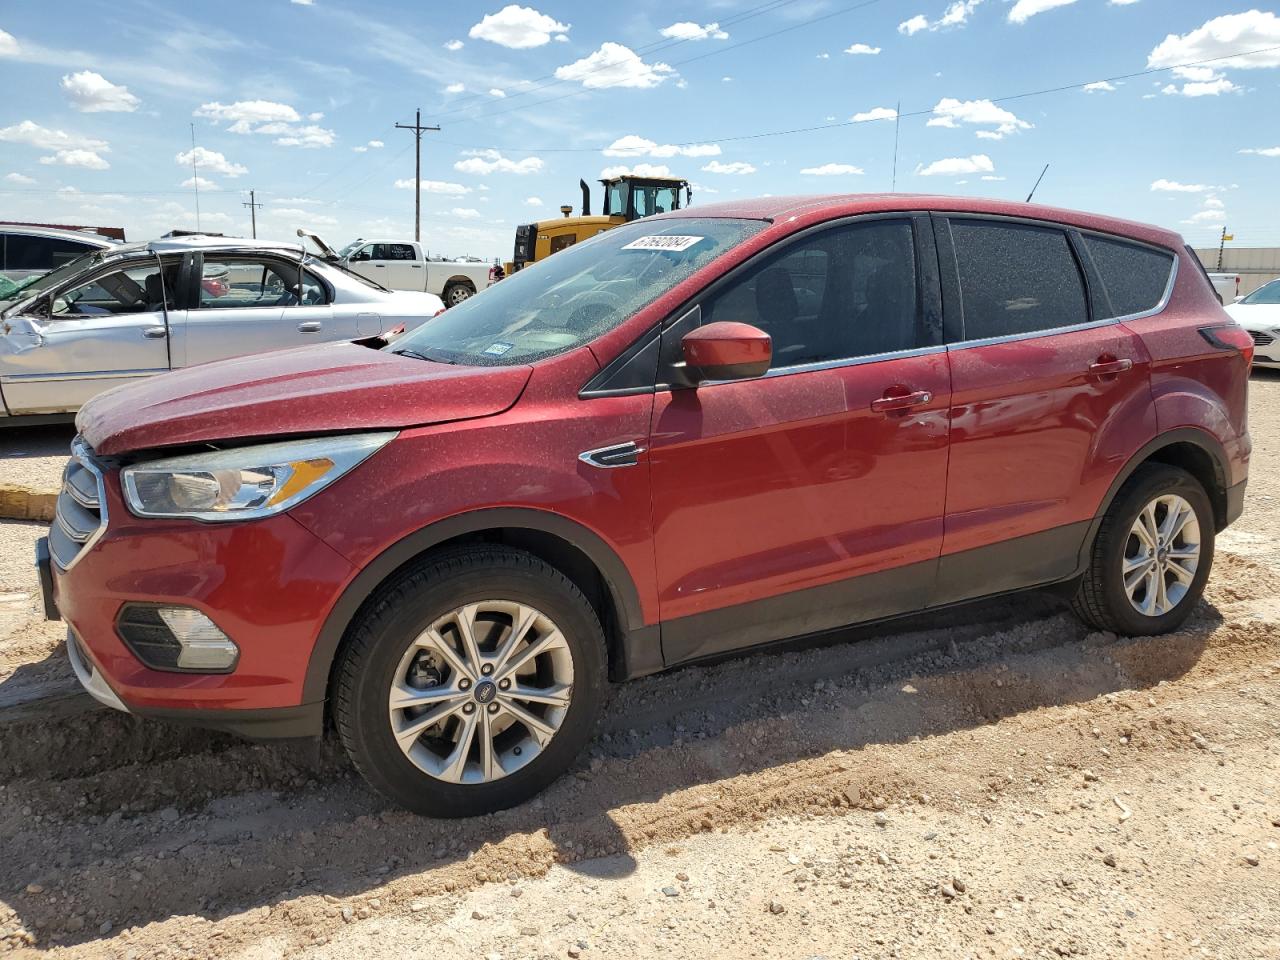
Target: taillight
[(1230, 336)]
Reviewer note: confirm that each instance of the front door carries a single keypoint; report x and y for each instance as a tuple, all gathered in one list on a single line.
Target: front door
[(811, 497), (251, 304), (86, 338)]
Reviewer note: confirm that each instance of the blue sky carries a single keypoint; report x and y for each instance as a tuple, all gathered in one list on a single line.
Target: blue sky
[(299, 100)]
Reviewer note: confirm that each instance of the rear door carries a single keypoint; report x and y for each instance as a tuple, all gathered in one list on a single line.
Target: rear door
[(99, 332), (1050, 397), (813, 496), (245, 304)]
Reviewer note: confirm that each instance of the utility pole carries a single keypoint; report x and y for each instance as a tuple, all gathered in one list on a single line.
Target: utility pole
[(253, 206), (418, 130)]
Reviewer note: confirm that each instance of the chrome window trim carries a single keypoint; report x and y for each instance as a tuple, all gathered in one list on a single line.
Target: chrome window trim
[(846, 362), (79, 453)]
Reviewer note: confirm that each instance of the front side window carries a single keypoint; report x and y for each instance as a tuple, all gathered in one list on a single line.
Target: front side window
[(232, 282), (1016, 278), (572, 298), (1135, 276), (847, 292), (143, 288)]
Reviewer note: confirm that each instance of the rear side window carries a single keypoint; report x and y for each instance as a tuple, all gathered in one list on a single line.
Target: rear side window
[(1135, 276), (1016, 278)]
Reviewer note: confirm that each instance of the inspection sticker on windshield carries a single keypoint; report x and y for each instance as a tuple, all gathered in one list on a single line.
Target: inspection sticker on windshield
[(663, 242), (497, 349)]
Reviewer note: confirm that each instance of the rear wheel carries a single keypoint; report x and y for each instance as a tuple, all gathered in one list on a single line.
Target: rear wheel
[(472, 683), (1152, 555), (455, 293)]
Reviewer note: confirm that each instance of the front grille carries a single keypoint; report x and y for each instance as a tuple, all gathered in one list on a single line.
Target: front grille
[(1262, 339), (81, 515)]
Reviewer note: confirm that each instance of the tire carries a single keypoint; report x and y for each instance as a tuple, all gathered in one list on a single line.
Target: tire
[(1103, 599), (498, 586), (455, 293)]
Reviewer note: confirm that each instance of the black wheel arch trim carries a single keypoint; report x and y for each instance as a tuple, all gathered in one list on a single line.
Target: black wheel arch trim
[(617, 579)]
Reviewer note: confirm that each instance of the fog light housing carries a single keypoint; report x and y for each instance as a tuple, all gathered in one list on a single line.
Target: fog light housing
[(176, 639)]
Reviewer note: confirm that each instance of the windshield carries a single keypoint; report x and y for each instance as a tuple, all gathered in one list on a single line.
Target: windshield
[(350, 248), (1267, 293), (33, 286), (575, 296)]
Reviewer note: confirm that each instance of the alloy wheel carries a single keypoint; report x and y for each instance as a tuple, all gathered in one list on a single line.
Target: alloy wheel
[(481, 692), (1161, 556)]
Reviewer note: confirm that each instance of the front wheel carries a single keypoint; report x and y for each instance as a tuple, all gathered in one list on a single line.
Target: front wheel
[(472, 682), (455, 293), (1152, 555)]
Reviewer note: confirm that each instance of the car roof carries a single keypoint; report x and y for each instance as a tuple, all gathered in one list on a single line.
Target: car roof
[(92, 239), (816, 208), (190, 243)]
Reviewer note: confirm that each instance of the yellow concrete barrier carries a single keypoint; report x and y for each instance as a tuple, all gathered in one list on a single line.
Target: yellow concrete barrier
[(23, 503)]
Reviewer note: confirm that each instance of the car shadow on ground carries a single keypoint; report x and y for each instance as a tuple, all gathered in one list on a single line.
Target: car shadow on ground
[(49, 440), (138, 821)]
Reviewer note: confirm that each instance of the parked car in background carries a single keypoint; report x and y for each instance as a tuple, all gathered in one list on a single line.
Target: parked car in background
[(693, 434), (134, 310), (1259, 313), (29, 251), (1227, 285), (401, 265)]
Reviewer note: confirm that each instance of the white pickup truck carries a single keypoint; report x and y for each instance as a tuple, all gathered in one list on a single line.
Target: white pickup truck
[(401, 265)]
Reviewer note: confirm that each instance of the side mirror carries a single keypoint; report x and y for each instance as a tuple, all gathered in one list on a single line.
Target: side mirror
[(727, 351)]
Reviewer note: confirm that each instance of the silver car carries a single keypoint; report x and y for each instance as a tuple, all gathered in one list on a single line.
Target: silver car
[(140, 309)]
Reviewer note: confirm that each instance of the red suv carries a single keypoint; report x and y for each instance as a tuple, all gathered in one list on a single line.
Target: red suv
[(699, 432)]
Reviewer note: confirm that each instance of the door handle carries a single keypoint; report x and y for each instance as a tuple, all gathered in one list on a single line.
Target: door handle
[(905, 401), (380, 266), (155, 333), (1106, 366), (309, 326)]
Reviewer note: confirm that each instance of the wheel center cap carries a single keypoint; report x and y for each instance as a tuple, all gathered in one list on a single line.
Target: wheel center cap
[(486, 690)]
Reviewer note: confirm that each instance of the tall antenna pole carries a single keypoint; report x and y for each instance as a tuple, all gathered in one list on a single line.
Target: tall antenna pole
[(418, 129), (195, 175), (897, 122), (1037, 186), (253, 211)]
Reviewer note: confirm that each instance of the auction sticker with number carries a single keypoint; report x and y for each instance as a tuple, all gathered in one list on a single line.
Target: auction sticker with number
[(663, 242)]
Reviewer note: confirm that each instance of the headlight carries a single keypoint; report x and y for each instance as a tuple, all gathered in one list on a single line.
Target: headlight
[(247, 482)]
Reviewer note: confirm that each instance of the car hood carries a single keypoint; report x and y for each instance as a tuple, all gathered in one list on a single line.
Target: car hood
[(311, 390), (1255, 316)]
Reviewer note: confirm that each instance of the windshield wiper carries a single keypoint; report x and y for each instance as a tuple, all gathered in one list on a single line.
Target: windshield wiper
[(422, 356)]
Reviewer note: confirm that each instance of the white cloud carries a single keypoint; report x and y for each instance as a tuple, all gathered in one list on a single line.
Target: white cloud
[(875, 113), (1256, 151), (914, 25), (1024, 10), (635, 146), (19, 178), (1173, 186), (199, 182), (833, 170), (517, 27), (1214, 202), (376, 144), (454, 88), (497, 92), (990, 177), (863, 49), (243, 114), (824, 56), (1220, 37), (726, 79), (950, 112), (309, 136), (35, 135), (533, 201), (639, 170), (483, 162), (315, 116), (614, 65), (1205, 88), (1121, 3), (211, 161), (436, 186), (686, 30), (1210, 215), (465, 213), (8, 45), (738, 168), (88, 159), (951, 166), (304, 3), (91, 92), (1099, 86), (453, 45)]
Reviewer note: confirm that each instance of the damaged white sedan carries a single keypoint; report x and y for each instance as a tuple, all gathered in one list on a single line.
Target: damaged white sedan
[(140, 309)]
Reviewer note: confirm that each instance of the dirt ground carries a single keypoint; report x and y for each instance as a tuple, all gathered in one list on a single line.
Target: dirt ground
[(995, 782)]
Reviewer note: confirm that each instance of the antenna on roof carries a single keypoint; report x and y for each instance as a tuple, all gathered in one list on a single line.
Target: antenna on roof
[(897, 122), (195, 175), (1038, 179)]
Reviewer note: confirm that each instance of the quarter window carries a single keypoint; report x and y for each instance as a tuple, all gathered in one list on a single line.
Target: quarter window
[(1016, 278), (849, 291), (1135, 276)]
